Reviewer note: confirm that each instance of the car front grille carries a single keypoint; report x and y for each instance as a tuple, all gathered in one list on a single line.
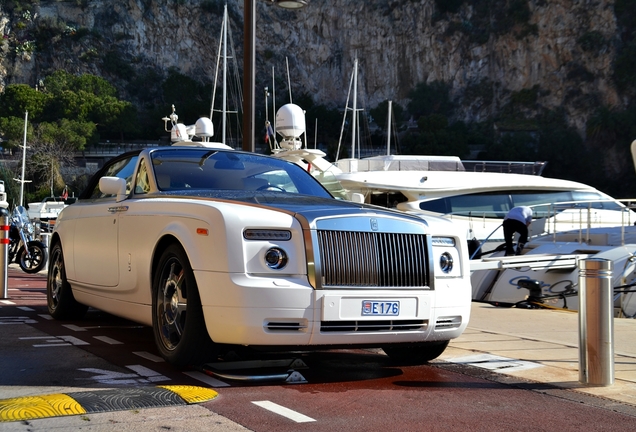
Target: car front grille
[(372, 259)]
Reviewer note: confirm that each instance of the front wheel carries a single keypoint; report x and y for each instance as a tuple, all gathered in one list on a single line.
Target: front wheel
[(37, 259), (177, 318), (59, 296), (415, 354)]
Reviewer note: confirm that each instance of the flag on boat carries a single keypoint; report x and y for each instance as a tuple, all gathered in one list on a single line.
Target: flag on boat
[(269, 132)]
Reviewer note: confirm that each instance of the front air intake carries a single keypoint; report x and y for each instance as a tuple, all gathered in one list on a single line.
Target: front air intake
[(372, 326), (372, 259)]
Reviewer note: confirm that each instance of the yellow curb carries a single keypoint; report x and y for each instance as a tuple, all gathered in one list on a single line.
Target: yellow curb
[(34, 407), (192, 394)]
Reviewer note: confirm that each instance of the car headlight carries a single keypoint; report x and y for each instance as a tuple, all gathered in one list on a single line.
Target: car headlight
[(447, 255), (276, 258), (446, 262)]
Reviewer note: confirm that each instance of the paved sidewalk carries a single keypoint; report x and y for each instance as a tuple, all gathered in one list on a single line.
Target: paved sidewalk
[(542, 345)]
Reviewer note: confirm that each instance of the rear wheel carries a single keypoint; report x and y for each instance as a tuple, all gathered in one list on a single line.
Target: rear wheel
[(177, 319), (59, 295), (417, 353)]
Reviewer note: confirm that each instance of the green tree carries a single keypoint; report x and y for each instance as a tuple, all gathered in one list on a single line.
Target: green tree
[(381, 113), (18, 98), (54, 145), (428, 99), (12, 131)]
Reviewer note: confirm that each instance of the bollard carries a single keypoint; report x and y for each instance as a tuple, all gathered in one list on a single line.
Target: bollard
[(596, 323), (4, 251)]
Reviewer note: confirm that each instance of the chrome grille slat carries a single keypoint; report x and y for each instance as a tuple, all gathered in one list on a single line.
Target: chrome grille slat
[(371, 259)]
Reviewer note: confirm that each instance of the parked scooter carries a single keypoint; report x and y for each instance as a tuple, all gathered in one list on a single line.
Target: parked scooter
[(31, 258)]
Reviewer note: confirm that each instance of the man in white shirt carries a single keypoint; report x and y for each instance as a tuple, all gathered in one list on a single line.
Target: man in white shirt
[(517, 220)]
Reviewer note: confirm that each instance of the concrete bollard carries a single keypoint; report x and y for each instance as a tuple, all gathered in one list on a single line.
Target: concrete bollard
[(596, 322), (5, 225)]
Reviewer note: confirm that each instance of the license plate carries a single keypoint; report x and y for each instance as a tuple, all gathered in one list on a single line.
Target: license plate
[(380, 308)]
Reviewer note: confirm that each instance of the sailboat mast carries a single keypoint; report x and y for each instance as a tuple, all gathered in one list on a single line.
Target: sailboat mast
[(355, 108), (223, 123), (388, 133)]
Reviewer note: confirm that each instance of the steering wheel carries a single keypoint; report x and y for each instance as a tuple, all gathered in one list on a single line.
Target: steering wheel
[(271, 188)]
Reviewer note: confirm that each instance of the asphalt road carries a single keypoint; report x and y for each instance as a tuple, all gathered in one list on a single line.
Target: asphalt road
[(357, 390)]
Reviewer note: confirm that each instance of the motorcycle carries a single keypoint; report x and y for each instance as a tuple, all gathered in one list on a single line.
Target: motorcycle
[(31, 258)]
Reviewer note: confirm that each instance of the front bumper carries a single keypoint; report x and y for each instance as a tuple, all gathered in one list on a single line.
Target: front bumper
[(246, 310)]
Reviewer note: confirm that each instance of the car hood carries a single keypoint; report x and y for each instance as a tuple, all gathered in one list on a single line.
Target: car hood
[(310, 207)]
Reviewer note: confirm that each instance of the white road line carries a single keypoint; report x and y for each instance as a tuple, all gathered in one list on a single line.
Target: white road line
[(51, 345), (17, 320), (108, 340), (148, 356), (46, 316), (73, 340), (7, 302), (212, 382), (285, 412), (149, 374), (495, 363), (26, 308), (74, 327), (56, 341)]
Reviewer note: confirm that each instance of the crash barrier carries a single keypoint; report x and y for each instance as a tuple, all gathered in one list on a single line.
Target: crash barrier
[(4, 252), (596, 322)]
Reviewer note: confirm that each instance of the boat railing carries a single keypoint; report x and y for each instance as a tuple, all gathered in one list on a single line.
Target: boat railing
[(582, 223), (586, 210), (511, 167), (439, 163)]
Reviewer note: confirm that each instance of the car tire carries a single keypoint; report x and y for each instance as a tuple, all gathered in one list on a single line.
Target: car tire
[(59, 295), (417, 353), (37, 261), (177, 316)]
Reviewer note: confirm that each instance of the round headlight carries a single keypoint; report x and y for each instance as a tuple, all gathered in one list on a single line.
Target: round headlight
[(446, 262), (275, 258)]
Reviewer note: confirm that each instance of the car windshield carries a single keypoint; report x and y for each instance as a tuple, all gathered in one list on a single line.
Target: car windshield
[(205, 169)]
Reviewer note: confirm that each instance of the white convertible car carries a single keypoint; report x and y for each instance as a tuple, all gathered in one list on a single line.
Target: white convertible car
[(216, 248)]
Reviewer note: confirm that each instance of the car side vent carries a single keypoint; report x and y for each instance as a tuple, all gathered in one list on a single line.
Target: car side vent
[(278, 326), (448, 323), (372, 326)]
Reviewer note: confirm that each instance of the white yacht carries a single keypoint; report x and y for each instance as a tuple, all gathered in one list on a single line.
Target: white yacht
[(477, 195), (573, 221)]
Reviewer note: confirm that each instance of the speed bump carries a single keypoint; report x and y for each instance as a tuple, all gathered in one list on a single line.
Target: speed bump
[(96, 401)]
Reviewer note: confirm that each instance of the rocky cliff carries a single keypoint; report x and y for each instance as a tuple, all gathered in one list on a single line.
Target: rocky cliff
[(486, 50)]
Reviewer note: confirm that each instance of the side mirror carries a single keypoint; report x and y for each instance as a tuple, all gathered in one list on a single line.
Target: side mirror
[(113, 186)]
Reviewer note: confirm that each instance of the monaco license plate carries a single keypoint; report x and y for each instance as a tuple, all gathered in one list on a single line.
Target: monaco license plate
[(380, 308)]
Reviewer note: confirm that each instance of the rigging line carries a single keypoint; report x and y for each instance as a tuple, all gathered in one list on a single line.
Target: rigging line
[(216, 72), (288, 80), (394, 133), (344, 118)]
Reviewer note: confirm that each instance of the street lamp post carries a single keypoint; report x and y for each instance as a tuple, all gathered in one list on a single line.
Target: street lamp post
[(249, 65)]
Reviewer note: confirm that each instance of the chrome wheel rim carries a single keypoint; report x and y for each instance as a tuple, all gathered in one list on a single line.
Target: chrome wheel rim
[(34, 261), (171, 304), (55, 279)]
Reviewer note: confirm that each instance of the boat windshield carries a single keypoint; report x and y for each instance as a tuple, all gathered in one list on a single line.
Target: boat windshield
[(497, 204)]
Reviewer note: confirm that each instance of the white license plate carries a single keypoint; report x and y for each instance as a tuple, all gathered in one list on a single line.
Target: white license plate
[(380, 308)]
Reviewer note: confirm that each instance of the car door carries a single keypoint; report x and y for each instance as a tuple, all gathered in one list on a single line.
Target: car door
[(96, 245)]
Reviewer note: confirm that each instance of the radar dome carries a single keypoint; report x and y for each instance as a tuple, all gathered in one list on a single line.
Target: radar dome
[(204, 127), (290, 121)]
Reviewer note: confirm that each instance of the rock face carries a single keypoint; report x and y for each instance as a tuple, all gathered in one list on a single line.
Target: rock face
[(485, 50)]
